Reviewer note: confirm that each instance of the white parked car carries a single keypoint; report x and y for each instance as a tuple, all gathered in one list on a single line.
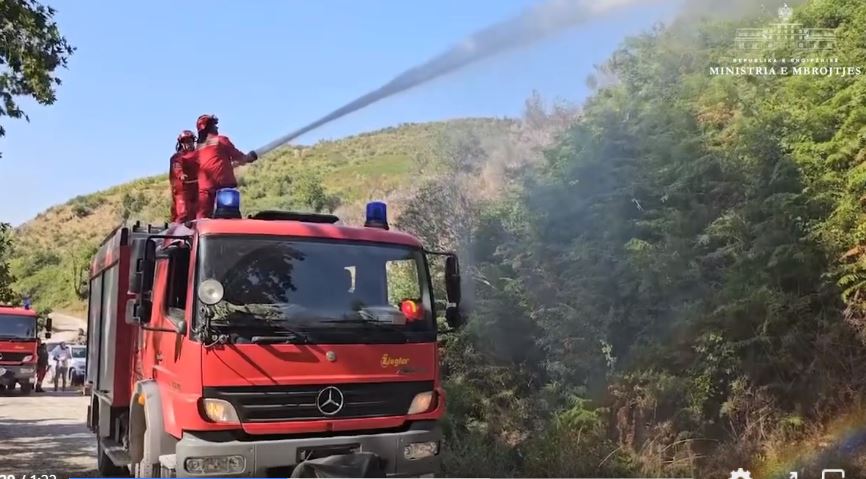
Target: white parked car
[(78, 366)]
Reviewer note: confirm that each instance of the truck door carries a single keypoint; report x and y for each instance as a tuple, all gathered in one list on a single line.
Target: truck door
[(169, 304)]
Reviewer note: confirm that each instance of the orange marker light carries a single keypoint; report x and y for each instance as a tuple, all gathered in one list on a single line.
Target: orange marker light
[(411, 310)]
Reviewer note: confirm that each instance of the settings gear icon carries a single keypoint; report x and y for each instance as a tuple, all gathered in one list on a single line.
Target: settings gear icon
[(741, 474)]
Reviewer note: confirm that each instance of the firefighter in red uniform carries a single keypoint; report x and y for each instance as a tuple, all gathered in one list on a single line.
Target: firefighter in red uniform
[(183, 176), (217, 157)]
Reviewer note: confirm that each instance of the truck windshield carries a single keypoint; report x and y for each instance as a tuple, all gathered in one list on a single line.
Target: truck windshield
[(18, 327), (317, 291)]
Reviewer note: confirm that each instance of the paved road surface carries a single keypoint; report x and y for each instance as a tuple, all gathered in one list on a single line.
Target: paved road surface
[(45, 434)]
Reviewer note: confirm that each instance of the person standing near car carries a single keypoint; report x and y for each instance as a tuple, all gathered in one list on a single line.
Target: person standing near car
[(41, 365), (62, 355)]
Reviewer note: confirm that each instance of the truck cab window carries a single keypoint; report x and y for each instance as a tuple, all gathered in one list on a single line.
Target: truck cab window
[(178, 276), (329, 288), (402, 280)]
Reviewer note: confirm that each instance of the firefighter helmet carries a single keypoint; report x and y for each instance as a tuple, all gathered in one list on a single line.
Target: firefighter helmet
[(205, 120), (185, 136)]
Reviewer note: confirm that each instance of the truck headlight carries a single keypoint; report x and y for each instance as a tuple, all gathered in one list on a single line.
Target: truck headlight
[(26, 370), (27, 358), (218, 410), (420, 450), (215, 465), (422, 402)]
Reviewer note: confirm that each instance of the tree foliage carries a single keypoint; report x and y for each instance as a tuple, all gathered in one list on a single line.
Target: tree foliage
[(31, 51), (6, 277)]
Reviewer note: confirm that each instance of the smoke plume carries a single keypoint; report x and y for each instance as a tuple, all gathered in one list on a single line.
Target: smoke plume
[(537, 23)]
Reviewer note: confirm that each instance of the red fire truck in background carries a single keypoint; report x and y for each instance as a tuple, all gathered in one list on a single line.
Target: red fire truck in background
[(18, 328), (266, 346)]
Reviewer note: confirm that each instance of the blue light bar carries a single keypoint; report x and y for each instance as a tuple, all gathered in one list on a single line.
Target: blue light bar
[(27, 302), (377, 215), (227, 203)]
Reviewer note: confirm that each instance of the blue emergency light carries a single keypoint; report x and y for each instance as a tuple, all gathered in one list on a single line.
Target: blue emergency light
[(27, 302), (377, 215), (227, 203)]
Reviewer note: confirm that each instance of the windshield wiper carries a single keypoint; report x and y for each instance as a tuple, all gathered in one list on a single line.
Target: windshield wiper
[(376, 326), (288, 338), (273, 333), (16, 338), (362, 320), (257, 317)]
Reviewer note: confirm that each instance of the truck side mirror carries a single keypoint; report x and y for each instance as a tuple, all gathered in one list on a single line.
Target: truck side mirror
[(138, 311), (48, 328), (453, 317), (171, 251), (452, 279), (142, 263)]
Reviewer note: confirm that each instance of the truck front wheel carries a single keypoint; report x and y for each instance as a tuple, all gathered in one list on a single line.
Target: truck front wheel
[(26, 387)]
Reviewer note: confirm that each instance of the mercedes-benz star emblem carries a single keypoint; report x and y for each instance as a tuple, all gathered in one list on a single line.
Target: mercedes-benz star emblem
[(332, 356), (329, 401)]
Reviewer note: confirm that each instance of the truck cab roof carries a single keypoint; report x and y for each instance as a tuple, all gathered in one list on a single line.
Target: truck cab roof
[(302, 229), (13, 311), (108, 252)]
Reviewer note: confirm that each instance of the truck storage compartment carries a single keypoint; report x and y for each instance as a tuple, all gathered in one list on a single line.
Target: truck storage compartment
[(109, 337)]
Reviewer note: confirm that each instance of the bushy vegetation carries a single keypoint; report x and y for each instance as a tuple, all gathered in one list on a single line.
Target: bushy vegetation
[(678, 289)]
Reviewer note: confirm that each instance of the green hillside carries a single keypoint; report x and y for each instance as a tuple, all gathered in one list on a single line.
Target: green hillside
[(53, 250)]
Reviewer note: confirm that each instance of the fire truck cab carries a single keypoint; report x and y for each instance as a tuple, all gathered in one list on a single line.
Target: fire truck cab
[(18, 328), (251, 347)]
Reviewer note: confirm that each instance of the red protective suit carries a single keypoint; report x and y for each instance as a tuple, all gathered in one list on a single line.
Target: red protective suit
[(184, 193), (217, 157)]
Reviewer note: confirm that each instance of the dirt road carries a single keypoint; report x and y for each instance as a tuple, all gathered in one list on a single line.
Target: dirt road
[(45, 434), (65, 327)]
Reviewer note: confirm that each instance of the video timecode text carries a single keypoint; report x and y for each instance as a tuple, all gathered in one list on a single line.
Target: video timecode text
[(28, 476)]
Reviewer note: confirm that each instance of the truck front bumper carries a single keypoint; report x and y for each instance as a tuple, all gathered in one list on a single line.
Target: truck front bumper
[(9, 375), (279, 456)]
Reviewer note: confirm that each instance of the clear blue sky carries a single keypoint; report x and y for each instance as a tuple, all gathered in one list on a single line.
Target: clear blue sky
[(145, 70)]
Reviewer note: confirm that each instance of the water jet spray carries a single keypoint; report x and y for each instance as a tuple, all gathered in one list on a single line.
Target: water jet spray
[(535, 24)]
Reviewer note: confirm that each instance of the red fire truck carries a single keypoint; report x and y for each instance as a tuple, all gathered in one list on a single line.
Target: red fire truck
[(266, 345), (18, 327)]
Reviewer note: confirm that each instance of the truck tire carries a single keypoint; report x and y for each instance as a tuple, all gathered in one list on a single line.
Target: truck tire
[(104, 465), (26, 388), (149, 465)]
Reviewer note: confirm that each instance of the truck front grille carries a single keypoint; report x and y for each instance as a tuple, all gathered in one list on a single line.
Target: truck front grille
[(297, 403), (12, 357)]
